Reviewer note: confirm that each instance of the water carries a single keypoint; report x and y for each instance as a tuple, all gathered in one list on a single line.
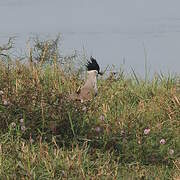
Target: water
[(114, 31)]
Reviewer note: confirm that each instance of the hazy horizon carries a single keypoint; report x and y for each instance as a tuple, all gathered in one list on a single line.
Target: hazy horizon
[(112, 31)]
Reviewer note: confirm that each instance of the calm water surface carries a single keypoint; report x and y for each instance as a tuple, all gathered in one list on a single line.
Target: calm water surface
[(115, 31)]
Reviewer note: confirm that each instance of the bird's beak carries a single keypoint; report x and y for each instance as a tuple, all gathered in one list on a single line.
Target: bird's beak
[(101, 73)]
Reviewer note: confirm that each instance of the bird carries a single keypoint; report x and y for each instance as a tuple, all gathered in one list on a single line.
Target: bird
[(89, 89)]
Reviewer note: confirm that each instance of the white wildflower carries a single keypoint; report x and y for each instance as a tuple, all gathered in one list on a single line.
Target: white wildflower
[(162, 141), (1, 92), (23, 128), (21, 120), (13, 124), (171, 151)]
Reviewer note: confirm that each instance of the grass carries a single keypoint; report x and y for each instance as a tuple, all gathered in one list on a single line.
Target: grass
[(129, 131)]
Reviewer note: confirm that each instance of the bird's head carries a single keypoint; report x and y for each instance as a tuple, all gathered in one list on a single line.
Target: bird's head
[(92, 65)]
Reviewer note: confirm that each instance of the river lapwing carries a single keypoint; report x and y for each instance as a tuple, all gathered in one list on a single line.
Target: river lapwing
[(89, 89)]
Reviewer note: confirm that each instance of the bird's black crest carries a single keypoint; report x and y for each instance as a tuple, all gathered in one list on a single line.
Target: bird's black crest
[(92, 65)]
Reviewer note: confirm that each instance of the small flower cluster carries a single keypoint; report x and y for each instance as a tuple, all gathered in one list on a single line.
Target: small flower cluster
[(23, 128), (13, 124), (162, 141), (171, 151), (1, 93), (147, 131)]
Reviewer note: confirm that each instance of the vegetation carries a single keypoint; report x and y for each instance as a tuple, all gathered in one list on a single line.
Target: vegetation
[(130, 130)]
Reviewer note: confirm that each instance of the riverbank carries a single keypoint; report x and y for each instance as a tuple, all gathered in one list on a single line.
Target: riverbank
[(129, 130)]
